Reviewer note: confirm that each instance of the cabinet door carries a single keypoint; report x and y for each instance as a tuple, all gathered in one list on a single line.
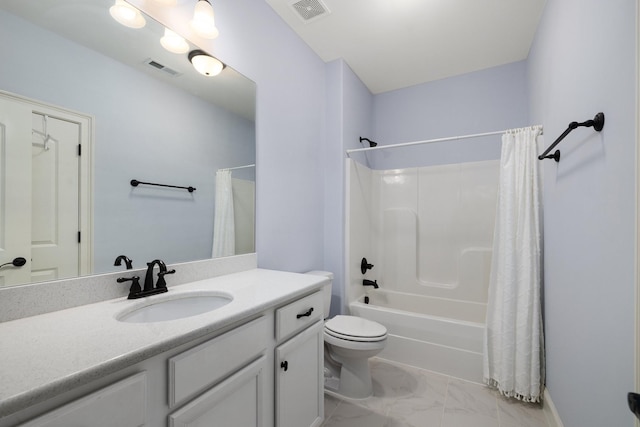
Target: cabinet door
[(299, 379), (123, 404), (238, 401)]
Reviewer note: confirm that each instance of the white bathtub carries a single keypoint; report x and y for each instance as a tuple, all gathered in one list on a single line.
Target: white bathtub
[(438, 334)]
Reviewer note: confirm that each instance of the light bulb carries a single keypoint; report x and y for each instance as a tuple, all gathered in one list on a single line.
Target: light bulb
[(127, 15), (173, 42), (203, 22), (205, 64)]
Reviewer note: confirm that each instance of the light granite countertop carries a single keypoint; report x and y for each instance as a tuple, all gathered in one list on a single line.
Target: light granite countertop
[(47, 354)]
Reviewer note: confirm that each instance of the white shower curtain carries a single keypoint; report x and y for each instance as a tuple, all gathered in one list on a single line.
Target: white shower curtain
[(224, 234), (514, 344)]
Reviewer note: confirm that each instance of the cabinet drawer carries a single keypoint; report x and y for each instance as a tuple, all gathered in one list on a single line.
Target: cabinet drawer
[(121, 404), (298, 315), (238, 401), (201, 367)]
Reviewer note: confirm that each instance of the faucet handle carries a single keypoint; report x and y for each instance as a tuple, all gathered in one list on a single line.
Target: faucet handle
[(161, 283), (364, 266), (135, 285)]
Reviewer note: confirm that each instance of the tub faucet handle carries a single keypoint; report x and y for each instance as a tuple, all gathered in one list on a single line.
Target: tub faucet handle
[(364, 266)]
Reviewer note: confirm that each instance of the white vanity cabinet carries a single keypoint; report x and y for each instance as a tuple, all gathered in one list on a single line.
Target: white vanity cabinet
[(265, 370), (299, 363)]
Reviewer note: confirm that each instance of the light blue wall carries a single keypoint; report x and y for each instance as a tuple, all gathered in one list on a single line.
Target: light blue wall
[(489, 100), (583, 62), (144, 129), (290, 131), (349, 116)]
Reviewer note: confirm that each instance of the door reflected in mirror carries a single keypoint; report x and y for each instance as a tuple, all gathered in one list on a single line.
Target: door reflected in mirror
[(87, 106)]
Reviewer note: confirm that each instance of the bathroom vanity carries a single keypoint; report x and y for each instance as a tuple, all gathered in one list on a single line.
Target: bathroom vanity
[(256, 361)]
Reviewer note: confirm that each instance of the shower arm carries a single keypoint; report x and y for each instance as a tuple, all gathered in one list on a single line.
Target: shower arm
[(371, 143)]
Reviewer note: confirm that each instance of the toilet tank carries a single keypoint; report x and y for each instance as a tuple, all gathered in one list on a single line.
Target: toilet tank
[(326, 290)]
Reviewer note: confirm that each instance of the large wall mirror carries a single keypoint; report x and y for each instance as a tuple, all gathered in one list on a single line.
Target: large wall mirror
[(71, 75)]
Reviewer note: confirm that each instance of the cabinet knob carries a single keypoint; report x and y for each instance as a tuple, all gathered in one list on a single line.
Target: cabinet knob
[(284, 365)]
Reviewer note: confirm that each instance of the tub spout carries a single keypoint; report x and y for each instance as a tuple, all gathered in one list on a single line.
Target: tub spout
[(373, 283)]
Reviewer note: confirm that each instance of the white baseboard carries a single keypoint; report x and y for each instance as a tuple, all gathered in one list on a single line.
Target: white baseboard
[(553, 419)]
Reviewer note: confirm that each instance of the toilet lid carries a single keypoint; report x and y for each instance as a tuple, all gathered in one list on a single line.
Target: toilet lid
[(352, 327)]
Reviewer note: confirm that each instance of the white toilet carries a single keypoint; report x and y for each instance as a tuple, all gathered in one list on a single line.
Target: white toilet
[(349, 342)]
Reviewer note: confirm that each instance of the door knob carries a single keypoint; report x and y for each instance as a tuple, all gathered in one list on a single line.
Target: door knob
[(17, 262)]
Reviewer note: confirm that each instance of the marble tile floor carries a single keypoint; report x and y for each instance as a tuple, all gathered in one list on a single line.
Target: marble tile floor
[(409, 397)]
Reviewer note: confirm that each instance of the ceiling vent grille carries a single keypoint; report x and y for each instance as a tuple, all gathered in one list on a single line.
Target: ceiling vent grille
[(158, 66), (310, 10)]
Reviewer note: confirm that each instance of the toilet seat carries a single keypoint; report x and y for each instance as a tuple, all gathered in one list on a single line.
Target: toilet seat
[(352, 328)]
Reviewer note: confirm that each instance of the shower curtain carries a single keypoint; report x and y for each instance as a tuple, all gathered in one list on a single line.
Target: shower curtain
[(513, 342), (224, 235)]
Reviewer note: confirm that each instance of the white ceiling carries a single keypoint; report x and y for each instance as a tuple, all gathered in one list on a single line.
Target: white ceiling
[(391, 44)]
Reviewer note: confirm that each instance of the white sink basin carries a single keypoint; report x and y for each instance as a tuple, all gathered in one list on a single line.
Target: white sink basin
[(172, 307)]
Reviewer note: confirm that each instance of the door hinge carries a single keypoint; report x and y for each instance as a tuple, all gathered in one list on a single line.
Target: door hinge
[(79, 239), (79, 149)]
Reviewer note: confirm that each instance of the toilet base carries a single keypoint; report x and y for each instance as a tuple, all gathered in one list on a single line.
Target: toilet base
[(348, 360), (352, 382), (334, 393), (355, 379)]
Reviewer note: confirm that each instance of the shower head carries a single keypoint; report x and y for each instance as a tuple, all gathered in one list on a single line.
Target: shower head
[(371, 143)]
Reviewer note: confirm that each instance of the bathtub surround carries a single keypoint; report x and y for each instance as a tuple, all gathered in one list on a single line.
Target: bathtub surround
[(513, 346), (428, 231)]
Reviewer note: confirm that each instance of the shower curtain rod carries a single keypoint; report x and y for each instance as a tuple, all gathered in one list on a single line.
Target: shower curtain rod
[(238, 167), (428, 141)]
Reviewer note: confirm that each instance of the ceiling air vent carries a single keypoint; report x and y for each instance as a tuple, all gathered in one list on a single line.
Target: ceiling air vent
[(310, 10), (158, 66)]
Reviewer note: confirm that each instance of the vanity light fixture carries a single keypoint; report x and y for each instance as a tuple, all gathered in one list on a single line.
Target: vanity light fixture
[(205, 64), (127, 15), (203, 22), (173, 42)]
